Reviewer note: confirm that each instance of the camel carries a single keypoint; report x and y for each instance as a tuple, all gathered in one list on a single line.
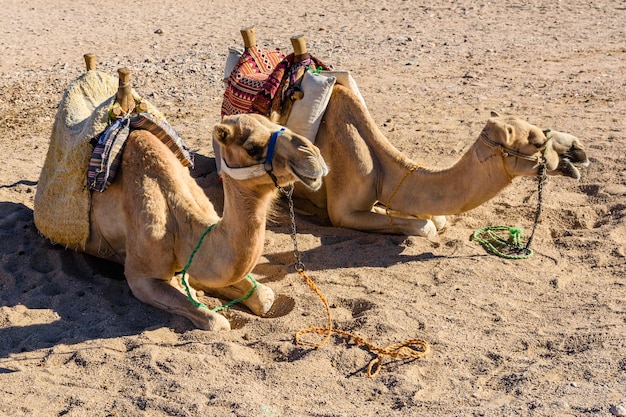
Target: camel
[(372, 186), (154, 216)]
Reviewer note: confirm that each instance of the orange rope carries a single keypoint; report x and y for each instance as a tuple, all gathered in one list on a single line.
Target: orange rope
[(412, 348), (393, 193)]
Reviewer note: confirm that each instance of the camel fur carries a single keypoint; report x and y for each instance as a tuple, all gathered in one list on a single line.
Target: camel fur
[(152, 216), (373, 187)]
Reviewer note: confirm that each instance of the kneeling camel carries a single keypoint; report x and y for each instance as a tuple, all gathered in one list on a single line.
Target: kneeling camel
[(372, 186), (154, 218), (153, 215)]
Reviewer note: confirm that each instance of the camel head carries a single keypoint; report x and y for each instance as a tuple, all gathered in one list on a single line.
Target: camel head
[(524, 146), (251, 146)]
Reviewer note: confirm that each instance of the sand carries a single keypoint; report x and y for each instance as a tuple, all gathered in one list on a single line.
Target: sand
[(544, 336)]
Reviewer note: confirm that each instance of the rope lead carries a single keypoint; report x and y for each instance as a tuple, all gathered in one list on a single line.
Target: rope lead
[(513, 245), (509, 248)]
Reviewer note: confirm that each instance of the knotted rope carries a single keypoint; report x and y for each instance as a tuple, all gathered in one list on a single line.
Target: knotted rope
[(413, 348), (512, 248)]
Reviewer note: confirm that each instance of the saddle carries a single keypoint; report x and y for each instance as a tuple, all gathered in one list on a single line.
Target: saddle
[(292, 90), (87, 109), (266, 81)]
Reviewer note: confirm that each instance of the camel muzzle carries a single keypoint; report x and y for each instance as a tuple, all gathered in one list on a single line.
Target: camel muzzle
[(257, 170)]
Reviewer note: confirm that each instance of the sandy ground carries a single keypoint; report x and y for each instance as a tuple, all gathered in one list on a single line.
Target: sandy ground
[(537, 337)]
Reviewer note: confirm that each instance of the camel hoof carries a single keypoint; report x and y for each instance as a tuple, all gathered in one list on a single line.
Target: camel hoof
[(428, 229), (261, 301), (211, 321), (439, 221)]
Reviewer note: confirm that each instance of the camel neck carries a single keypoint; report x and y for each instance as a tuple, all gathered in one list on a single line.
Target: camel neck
[(475, 178), (238, 238), (245, 214)]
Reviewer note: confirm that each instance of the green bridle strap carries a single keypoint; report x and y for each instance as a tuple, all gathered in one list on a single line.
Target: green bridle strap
[(188, 290)]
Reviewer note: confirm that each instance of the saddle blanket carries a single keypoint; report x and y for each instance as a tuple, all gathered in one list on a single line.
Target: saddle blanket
[(107, 153)]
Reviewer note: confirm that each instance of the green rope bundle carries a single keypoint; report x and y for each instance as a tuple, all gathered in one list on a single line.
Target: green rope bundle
[(509, 248)]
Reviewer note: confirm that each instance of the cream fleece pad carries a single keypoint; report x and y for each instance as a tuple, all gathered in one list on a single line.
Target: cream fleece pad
[(345, 79), (306, 114)]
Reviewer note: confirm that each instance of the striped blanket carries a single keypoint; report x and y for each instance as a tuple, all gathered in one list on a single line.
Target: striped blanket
[(262, 79), (107, 153)]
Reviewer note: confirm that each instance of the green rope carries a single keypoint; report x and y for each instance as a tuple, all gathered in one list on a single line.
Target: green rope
[(510, 248), (188, 290)]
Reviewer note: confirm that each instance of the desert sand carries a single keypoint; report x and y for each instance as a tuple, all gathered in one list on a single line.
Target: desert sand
[(545, 336)]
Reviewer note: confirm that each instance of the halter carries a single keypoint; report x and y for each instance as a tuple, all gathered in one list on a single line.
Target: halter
[(256, 170), (512, 152), (517, 250)]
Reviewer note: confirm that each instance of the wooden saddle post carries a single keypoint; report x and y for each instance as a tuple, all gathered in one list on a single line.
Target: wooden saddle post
[(298, 43), (90, 62), (124, 95), (249, 37)]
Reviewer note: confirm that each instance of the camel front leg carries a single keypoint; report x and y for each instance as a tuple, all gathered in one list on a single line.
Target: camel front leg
[(259, 302), (166, 296), (379, 222), (438, 221)]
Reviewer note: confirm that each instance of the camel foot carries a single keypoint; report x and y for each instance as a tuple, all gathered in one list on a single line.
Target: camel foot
[(170, 296), (416, 227), (261, 301), (439, 221), (208, 320), (430, 227)]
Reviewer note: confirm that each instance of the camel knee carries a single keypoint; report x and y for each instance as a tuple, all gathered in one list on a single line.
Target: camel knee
[(165, 296)]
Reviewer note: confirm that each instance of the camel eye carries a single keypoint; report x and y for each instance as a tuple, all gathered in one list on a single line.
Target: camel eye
[(536, 139), (255, 151)]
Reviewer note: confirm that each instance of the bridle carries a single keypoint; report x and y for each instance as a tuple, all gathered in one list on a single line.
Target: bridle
[(538, 157), (256, 170)]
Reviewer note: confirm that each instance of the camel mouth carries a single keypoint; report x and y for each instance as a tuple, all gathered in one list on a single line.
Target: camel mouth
[(314, 183), (311, 176), (570, 161), (569, 168)]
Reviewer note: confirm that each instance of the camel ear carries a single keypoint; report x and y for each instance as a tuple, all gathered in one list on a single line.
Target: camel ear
[(494, 114), (222, 133), (499, 131)]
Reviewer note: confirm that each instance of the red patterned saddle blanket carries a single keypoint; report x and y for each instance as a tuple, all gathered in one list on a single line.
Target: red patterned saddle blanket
[(262, 79), (248, 78)]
